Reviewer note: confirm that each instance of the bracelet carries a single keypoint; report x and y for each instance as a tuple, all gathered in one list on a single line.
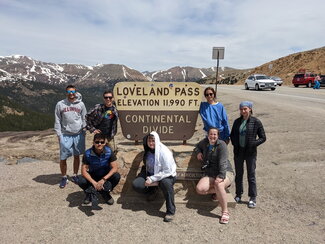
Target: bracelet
[(104, 179)]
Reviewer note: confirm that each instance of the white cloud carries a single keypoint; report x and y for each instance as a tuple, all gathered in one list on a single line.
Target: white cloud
[(159, 34)]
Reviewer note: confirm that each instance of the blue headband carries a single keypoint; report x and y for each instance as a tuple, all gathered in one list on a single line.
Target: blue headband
[(246, 104)]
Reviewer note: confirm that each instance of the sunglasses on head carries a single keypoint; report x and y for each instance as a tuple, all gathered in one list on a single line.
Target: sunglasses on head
[(109, 97), (71, 92), (209, 94)]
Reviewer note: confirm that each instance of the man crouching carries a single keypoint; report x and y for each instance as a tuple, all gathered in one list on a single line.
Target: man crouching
[(99, 172)]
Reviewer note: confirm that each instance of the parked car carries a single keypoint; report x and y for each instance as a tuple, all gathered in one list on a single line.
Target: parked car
[(306, 79), (259, 82), (277, 80)]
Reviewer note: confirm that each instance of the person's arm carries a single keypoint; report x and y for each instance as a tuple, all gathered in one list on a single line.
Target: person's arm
[(260, 133), (57, 123), (114, 169), (83, 115), (114, 125), (167, 167), (87, 176), (199, 151), (225, 124), (223, 160), (91, 117), (234, 133)]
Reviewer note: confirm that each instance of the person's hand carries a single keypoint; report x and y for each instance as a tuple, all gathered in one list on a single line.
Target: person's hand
[(99, 185), (148, 181), (219, 180), (199, 156), (97, 131)]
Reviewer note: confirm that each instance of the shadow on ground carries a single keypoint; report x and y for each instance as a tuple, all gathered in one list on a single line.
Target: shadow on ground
[(51, 179), (129, 199)]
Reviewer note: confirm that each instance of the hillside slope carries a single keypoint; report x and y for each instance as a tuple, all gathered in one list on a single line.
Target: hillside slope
[(286, 67)]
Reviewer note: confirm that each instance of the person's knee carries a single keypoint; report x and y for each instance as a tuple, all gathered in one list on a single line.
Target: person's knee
[(108, 186), (116, 177), (138, 184), (165, 183), (82, 182), (201, 189)]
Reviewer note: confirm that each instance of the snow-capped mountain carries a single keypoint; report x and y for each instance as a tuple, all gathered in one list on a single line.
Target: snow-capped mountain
[(184, 74), (18, 67)]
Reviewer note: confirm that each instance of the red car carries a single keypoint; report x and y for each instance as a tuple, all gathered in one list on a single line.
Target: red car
[(306, 79)]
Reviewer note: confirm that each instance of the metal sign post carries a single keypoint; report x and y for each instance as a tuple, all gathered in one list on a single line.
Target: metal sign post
[(218, 53)]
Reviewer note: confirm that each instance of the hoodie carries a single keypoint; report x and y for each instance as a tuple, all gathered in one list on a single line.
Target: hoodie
[(70, 117), (165, 165)]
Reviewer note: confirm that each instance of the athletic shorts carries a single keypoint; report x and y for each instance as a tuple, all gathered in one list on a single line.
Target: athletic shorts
[(72, 145), (229, 175)]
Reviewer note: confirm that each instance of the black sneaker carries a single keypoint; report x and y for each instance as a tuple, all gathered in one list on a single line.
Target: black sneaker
[(75, 179), (238, 199), (169, 218), (108, 198), (87, 199)]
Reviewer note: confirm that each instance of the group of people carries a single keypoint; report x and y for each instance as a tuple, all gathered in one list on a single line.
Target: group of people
[(246, 134), (99, 170)]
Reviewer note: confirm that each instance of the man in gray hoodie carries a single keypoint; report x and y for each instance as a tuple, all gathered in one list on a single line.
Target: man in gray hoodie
[(69, 126)]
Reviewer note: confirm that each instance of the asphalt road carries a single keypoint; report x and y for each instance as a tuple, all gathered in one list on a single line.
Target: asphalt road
[(284, 96)]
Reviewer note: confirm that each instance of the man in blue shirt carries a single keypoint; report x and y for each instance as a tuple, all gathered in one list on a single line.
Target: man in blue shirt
[(99, 172)]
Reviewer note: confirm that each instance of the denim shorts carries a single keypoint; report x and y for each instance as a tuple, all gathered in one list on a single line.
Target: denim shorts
[(72, 145)]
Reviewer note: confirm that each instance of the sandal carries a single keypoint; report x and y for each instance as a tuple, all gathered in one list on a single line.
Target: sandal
[(224, 218)]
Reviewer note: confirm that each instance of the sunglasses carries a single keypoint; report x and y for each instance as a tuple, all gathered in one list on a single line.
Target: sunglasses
[(100, 142), (71, 92), (209, 94), (108, 97)]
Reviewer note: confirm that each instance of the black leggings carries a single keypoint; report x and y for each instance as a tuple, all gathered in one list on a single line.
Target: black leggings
[(239, 167)]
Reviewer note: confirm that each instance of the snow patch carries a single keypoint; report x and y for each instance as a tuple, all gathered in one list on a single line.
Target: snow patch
[(125, 73), (203, 75), (184, 74), (17, 56)]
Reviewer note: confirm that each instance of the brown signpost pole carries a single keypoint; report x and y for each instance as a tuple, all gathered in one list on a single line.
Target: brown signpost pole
[(218, 53)]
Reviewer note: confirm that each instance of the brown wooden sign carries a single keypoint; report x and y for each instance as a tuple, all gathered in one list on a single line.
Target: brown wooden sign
[(169, 108)]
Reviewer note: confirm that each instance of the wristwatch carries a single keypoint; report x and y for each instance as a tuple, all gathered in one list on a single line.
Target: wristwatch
[(104, 179)]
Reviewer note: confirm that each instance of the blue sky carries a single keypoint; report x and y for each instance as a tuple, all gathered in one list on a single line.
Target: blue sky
[(160, 34)]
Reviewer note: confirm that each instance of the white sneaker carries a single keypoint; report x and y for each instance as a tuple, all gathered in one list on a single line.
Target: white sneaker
[(251, 204)]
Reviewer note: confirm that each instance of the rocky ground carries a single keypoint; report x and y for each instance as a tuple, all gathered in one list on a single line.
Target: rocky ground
[(290, 176)]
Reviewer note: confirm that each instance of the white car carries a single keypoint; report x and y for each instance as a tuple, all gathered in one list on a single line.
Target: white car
[(259, 82), (277, 80)]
